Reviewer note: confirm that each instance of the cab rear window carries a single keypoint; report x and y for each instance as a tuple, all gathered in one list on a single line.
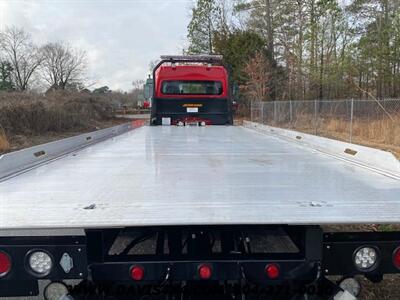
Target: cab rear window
[(180, 87)]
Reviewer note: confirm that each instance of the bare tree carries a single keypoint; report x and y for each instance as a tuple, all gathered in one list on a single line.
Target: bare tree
[(17, 47), (258, 70), (138, 84), (62, 65)]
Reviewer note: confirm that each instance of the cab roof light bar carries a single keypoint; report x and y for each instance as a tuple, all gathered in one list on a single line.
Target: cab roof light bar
[(192, 58)]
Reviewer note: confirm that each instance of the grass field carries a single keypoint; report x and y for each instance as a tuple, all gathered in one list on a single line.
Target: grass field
[(377, 133), (28, 119), (4, 144), (382, 133)]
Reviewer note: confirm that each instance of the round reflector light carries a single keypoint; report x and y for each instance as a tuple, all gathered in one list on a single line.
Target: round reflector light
[(205, 271), (40, 262), (5, 264), (55, 291), (365, 258), (272, 271), (137, 273), (396, 258)]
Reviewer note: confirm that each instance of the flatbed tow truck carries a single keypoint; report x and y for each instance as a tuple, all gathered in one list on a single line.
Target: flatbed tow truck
[(195, 212)]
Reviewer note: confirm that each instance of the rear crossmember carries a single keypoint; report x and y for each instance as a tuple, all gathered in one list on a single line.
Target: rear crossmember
[(295, 257)]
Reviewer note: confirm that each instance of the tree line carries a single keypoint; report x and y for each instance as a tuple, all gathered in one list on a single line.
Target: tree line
[(56, 65), (303, 49)]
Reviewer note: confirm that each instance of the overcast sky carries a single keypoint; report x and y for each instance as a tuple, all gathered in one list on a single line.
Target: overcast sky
[(120, 37)]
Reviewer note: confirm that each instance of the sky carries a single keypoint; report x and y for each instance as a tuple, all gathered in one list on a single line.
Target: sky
[(120, 37)]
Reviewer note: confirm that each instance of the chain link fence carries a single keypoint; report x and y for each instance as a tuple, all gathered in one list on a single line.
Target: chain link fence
[(373, 123)]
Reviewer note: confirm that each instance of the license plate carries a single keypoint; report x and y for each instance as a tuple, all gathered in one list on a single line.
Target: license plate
[(166, 121), (192, 109)]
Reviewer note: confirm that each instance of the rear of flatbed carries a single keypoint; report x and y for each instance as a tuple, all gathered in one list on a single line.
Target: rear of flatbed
[(166, 210)]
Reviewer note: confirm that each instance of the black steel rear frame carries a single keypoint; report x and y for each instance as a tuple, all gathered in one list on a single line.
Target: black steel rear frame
[(304, 254)]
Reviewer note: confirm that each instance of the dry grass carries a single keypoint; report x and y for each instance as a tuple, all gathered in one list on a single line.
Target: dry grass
[(29, 119), (21, 141), (32, 114), (24, 116), (4, 144), (381, 133)]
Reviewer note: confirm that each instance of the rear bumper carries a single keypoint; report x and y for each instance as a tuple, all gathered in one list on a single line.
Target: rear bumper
[(251, 271), (213, 111)]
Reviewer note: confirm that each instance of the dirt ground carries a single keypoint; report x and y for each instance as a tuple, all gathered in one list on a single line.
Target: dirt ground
[(17, 142), (388, 289)]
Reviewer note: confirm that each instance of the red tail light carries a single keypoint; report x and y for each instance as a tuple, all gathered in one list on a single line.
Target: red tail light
[(137, 273), (205, 271), (5, 264), (272, 271), (396, 258)]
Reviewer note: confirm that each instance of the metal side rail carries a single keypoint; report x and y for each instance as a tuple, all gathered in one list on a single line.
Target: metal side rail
[(380, 161), (16, 162)]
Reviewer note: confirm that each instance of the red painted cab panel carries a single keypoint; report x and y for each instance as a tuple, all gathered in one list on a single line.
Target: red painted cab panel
[(213, 78)]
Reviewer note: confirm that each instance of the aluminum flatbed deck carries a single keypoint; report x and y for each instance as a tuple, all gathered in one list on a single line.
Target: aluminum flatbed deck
[(196, 175)]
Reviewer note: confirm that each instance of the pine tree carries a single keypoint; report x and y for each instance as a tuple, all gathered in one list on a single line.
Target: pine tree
[(5, 76), (202, 27)]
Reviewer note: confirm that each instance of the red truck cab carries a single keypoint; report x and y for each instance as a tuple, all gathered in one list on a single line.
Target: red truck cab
[(191, 89)]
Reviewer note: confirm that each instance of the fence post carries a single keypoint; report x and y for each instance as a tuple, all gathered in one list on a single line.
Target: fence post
[(262, 112), (351, 120), (275, 112), (251, 110), (290, 113), (315, 117)]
